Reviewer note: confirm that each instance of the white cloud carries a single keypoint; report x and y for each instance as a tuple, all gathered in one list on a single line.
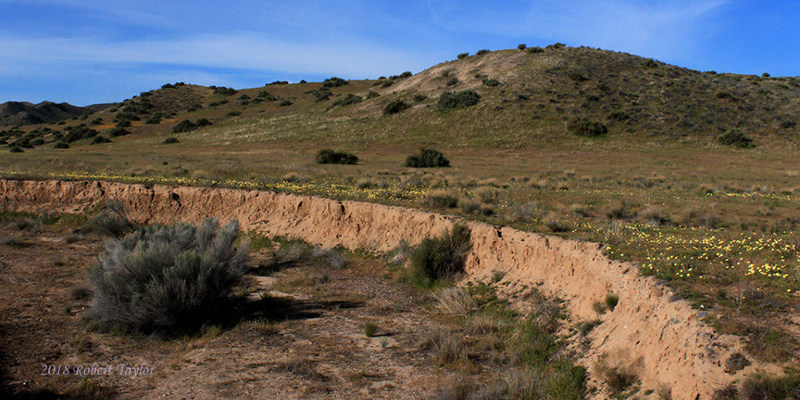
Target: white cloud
[(240, 51)]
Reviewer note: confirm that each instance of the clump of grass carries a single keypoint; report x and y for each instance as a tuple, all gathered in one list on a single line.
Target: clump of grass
[(370, 329), (611, 301), (455, 301), (441, 257), (449, 347), (442, 200), (166, 278), (328, 156), (617, 378), (427, 158)]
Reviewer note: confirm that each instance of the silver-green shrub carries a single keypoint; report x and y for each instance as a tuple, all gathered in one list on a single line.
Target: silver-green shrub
[(167, 278)]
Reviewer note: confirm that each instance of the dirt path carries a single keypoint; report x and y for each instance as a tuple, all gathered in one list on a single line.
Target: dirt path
[(661, 337)]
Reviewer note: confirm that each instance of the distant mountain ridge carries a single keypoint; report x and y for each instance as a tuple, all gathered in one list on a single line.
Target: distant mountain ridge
[(24, 113)]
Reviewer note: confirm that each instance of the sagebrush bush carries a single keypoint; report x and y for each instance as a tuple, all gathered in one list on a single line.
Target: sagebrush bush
[(427, 158), (112, 220), (116, 132), (441, 257), (328, 156), (737, 138), (462, 56), (100, 140), (586, 127), (348, 100), (395, 107), (167, 278), (464, 98)]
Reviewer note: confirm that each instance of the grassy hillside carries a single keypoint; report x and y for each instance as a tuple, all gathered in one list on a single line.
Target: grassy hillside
[(578, 142)]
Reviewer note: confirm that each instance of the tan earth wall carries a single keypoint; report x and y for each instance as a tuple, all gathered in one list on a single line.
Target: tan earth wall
[(662, 339)]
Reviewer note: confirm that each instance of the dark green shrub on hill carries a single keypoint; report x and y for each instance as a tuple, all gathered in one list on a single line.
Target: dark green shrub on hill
[(264, 95), (328, 156), (183, 126), (321, 94), (170, 140), (186, 125), (286, 103), (441, 257), (334, 82), (78, 133), (406, 74), (225, 91), (348, 100), (60, 145), (586, 127), (116, 132), (618, 116), (491, 82), (167, 279), (15, 149), (737, 138), (522, 46), (482, 52), (123, 123), (99, 140), (156, 119), (534, 50), (233, 113), (464, 98), (395, 107), (463, 56), (427, 158)]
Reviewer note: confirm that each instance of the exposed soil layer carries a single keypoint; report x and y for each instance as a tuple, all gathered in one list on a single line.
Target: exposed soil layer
[(662, 339)]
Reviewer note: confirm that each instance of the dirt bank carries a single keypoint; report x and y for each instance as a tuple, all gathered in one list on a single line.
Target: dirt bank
[(662, 339)]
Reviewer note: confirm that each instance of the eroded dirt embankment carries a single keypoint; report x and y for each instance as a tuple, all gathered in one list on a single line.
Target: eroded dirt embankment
[(663, 339)]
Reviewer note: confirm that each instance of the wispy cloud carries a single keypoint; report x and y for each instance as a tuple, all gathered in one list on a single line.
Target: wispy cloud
[(245, 51)]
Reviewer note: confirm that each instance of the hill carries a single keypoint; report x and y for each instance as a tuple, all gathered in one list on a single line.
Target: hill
[(15, 113), (524, 96)]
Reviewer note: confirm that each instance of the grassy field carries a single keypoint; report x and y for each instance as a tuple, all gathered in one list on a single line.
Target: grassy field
[(718, 223)]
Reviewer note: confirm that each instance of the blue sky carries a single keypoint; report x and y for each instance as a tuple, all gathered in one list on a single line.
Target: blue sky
[(84, 51)]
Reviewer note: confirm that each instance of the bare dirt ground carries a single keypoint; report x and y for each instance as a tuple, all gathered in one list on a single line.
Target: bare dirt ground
[(312, 344)]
